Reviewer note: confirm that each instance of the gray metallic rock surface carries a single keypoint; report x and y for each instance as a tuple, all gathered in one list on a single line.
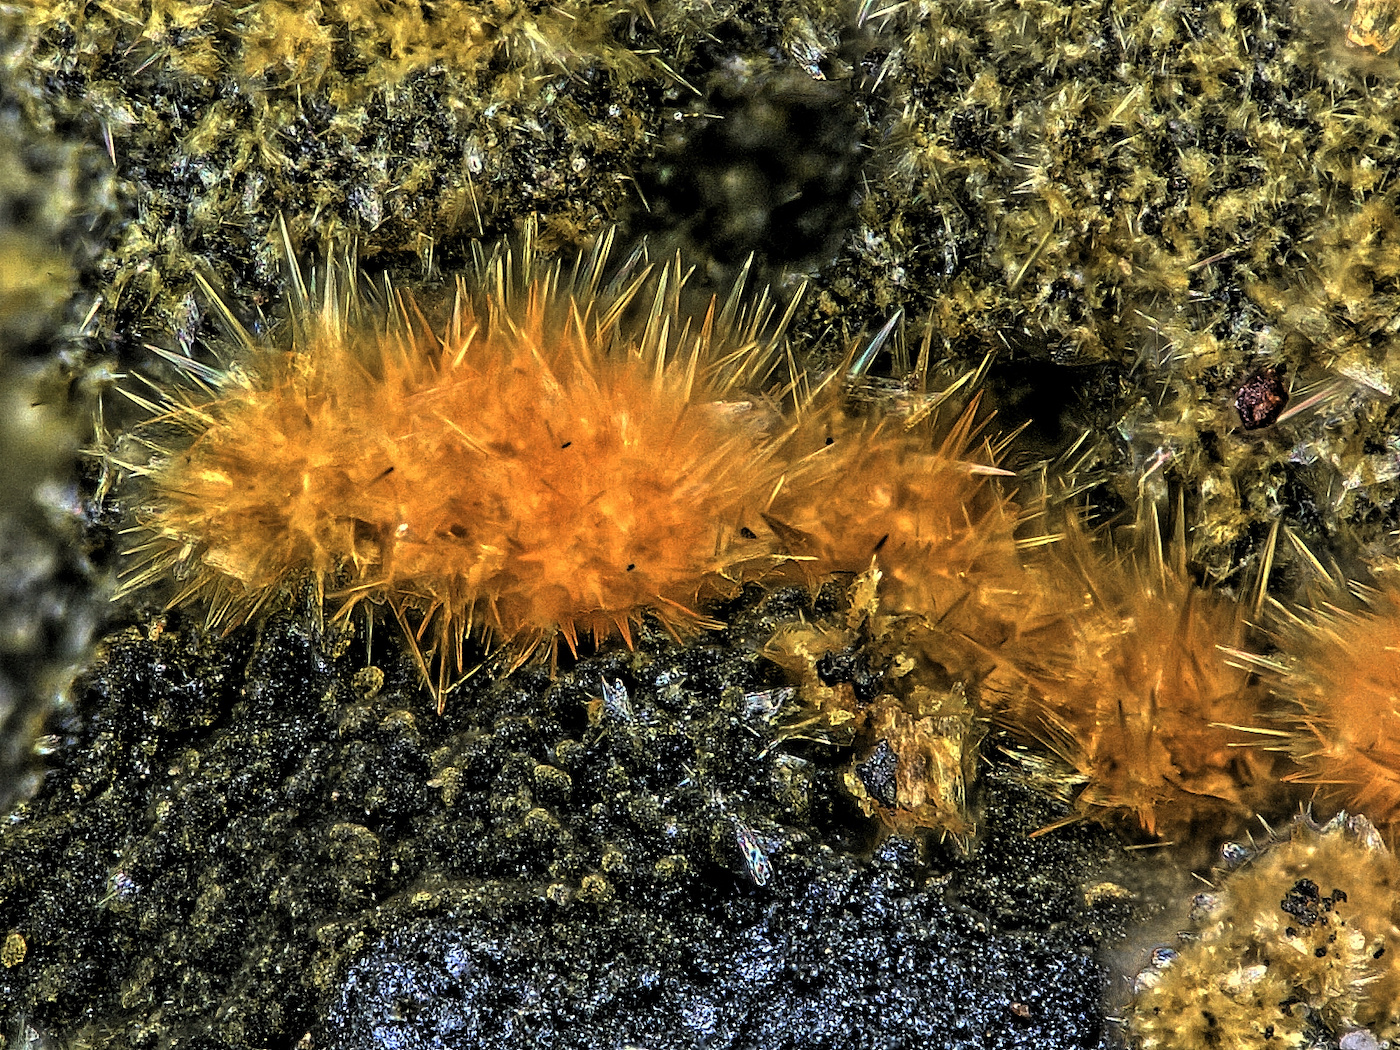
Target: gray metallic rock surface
[(848, 953)]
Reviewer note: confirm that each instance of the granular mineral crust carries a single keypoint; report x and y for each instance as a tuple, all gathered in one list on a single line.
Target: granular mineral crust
[(242, 840)]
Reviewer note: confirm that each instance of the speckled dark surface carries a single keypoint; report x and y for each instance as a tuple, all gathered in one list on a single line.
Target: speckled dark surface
[(847, 953), (236, 844)]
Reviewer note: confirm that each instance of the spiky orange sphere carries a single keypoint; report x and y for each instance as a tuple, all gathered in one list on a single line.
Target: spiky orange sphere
[(916, 492), (1342, 676), (1120, 671), (560, 456)]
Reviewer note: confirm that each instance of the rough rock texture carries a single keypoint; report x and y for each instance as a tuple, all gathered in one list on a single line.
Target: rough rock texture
[(852, 953), (242, 840)]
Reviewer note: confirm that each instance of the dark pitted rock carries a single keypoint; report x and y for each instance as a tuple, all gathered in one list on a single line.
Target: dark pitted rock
[(238, 841)]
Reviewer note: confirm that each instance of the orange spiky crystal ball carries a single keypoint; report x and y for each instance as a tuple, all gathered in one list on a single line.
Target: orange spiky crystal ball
[(944, 533), (1120, 670), (545, 463), (906, 477), (1341, 680)]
